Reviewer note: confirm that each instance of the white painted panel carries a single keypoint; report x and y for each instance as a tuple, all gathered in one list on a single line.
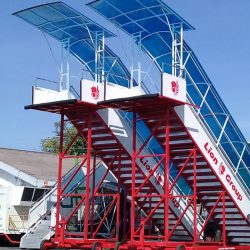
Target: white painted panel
[(16, 195), (42, 95), (115, 123), (116, 91), (174, 87), (93, 92), (3, 210)]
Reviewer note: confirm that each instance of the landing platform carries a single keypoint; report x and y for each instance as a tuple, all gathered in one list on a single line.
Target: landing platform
[(65, 106), (149, 101)]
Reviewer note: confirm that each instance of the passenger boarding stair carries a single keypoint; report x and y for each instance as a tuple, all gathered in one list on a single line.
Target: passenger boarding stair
[(216, 173), (115, 154), (214, 181), (222, 151), (186, 132), (115, 151), (116, 73)]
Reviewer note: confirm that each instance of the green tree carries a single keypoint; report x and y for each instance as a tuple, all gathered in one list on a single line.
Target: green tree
[(51, 144)]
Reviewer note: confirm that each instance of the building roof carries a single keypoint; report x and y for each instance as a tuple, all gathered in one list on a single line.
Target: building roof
[(40, 165)]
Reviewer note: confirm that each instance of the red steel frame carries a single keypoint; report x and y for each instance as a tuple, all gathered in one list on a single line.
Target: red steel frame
[(139, 238), (167, 196), (62, 238)]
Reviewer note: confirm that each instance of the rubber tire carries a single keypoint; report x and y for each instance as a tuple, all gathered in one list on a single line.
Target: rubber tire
[(180, 247), (117, 245), (95, 246)]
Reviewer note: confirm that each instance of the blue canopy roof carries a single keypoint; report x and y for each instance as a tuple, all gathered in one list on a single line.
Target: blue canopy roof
[(143, 16), (61, 22), (78, 32), (150, 18)]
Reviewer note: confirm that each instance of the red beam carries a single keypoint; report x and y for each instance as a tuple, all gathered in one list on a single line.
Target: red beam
[(181, 170), (59, 178), (210, 214)]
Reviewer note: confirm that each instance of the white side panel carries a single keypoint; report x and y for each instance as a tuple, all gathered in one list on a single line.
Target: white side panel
[(116, 91), (3, 210), (115, 124), (219, 165), (53, 217), (5, 183), (174, 87), (91, 91), (42, 95), (94, 92), (15, 195)]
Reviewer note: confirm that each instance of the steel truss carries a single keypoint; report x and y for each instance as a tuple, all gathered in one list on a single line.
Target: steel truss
[(97, 208), (139, 236)]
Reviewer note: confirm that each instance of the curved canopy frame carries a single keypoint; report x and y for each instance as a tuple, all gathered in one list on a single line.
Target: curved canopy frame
[(78, 33)]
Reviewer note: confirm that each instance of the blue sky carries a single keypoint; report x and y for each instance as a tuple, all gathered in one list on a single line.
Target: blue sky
[(221, 42)]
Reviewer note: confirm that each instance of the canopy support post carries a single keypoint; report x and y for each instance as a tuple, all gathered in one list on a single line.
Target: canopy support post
[(137, 40), (99, 57), (65, 68)]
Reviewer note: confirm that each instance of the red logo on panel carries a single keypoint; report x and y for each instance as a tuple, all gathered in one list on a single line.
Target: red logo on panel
[(222, 169), (175, 87), (95, 92), (158, 179)]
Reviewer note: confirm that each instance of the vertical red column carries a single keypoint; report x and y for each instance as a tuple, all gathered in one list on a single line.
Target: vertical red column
[(93, 197), (133, 177), (118, 219), (195, 196), (119, 171), (224, 219), (89, 139), (166, 178), (59, 179)]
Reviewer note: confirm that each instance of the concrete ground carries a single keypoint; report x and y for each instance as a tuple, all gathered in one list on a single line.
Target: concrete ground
[(9, 248)]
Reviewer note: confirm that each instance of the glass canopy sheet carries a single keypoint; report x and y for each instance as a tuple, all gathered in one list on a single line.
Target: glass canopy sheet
[(140, 16), (78, 33), (136, 16), (149, 19)]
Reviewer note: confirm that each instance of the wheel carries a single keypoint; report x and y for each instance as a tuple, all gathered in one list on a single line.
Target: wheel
[(117, 245), (180, 247), (96, 246)]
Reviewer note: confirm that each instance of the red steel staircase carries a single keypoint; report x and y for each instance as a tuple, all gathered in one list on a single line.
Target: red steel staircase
[(192, 164), (145, 216)]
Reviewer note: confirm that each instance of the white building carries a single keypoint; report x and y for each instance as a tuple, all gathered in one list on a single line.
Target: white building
[(25, 176)]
